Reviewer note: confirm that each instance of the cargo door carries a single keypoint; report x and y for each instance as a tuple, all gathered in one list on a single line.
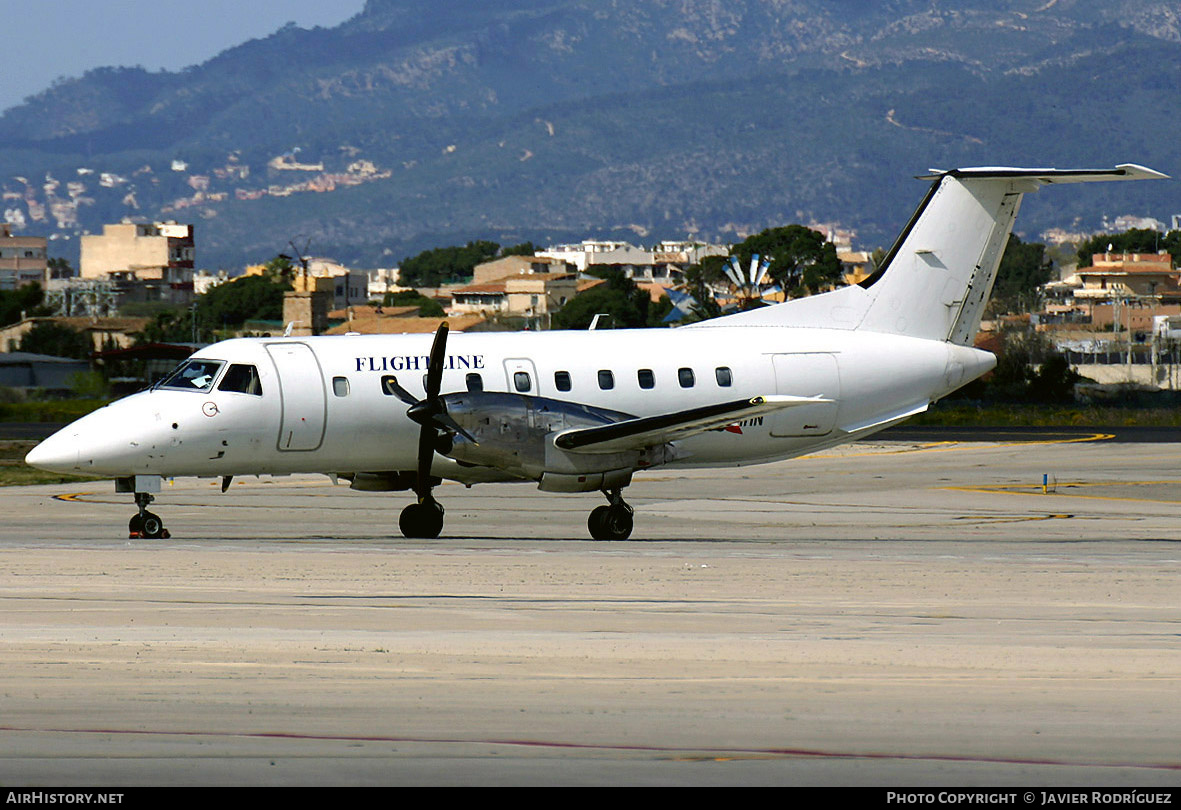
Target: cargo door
[(806, 375)]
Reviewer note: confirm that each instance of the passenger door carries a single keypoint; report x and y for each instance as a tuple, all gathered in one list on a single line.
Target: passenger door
[(301, 386)]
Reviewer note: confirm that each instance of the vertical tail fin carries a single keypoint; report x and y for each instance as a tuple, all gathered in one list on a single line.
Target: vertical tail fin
[(938, 276), (936, 279)]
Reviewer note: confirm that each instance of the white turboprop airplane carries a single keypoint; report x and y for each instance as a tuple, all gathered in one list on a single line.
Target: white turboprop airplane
[(579, 411)]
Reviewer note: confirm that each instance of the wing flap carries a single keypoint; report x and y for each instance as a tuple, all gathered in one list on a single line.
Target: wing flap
[(645, 431)]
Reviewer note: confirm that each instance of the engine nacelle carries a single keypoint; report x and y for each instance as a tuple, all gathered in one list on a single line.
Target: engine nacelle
[(584, 482), (514, 432)]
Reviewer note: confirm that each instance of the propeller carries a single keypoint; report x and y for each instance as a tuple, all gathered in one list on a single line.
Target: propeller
[(430, 413)]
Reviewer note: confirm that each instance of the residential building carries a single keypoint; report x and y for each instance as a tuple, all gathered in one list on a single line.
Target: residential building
[(684, 254), (348, 286), (664, 263), (146, 261), (204, 281), (499, 269), (856, 265), (1123, 275), (23, 259), (158, 251), (531, 296), (383, 280), (369, 323)]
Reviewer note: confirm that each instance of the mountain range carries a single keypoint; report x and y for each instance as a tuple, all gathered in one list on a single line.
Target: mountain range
[(414, 125)]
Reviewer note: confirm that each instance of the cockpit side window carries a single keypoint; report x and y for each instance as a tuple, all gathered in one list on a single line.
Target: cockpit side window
[(193, 375), (241, 379)]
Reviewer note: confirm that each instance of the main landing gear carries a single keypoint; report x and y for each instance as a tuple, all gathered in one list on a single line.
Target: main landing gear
[(611, 522), (423, 519), (146, 524)]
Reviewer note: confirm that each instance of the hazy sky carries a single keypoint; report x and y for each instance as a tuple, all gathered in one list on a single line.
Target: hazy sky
[(44, 39)]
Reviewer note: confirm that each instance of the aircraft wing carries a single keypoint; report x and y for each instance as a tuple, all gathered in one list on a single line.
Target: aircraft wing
[(645, 431)]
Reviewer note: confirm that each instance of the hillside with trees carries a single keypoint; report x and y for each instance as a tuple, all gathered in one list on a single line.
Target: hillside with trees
[(552, 120)]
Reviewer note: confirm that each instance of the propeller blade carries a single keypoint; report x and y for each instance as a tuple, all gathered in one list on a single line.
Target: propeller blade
[(754, 267), (392, 386), (427, 414), (426, 454), (434, 372), (446, 421)]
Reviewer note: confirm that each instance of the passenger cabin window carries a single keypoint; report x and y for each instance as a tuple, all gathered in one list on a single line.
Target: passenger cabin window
[(242, 380), (606, 380), (193, 375), (340, 386), (522, 382), (685, 377), (562, 380), (475, 382), (724, 377), (646, 378)]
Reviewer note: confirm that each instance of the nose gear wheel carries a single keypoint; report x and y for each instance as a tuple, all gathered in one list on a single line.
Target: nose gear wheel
[(145, 524)]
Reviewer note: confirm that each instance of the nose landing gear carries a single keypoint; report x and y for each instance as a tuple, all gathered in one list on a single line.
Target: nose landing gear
[(146, 524), (611, 522)]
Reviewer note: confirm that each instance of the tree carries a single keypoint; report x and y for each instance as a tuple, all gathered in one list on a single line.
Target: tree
[(1024, 268), (446, 265), (698, 277), (171, 326), (427, 307), (627, 305), (802, 261), (56, 339), (523, 249), (280, 268), (25, 300), (1030, 369), (225, 307), (243, 299)]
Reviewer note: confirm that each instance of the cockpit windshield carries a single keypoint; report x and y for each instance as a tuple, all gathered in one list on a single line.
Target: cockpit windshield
[(193, 375)]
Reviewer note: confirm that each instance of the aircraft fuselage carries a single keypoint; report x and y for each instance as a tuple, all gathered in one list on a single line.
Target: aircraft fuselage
[(322, 406)]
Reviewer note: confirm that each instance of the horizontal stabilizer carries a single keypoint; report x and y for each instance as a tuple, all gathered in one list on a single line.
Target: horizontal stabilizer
[(1124, 171), (645, 431)]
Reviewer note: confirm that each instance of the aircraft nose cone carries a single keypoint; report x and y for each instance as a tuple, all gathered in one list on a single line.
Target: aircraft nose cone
[(58, 453)]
